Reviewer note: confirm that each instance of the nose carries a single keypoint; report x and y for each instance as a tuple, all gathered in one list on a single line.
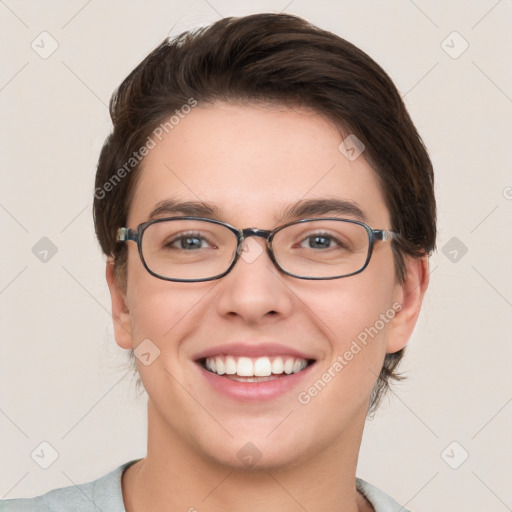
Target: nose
[(254, 290)]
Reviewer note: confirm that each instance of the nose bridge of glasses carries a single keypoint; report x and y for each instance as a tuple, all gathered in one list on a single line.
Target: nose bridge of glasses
[(246, 233), (262, 233), (256, 232)]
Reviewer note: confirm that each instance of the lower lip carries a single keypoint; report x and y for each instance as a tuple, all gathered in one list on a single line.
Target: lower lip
[(254, 391)]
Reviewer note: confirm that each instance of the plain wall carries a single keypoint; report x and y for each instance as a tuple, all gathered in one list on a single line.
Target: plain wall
[(64, 381)]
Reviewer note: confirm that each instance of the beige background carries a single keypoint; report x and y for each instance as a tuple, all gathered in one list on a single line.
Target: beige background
[(62, 378)]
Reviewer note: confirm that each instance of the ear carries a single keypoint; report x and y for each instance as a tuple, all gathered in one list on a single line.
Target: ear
[(410, 295), (120, 312)]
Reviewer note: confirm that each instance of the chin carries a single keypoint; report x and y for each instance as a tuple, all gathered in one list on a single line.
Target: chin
[(258, 452)]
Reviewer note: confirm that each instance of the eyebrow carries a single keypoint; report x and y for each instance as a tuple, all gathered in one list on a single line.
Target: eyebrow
[(303, 208), (192, 208), (332, 206)]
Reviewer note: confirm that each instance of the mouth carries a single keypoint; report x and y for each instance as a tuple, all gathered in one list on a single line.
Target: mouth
[(253, 372), (254, 369)]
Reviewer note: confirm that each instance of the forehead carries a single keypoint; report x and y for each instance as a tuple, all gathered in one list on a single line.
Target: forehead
[(251, 163)]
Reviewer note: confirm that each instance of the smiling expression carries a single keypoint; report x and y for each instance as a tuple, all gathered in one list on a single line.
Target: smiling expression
[(236, 352)]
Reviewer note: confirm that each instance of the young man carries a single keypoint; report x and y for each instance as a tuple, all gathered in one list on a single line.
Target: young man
[(267, 210)]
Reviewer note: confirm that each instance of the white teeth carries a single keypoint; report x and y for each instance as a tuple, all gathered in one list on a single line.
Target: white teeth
[(230, 366), (244, 367), (277, 365), (219, 363), (297, 366), (260, 367), (210, 364)]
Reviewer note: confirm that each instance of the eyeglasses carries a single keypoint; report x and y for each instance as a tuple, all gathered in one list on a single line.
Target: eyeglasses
[(193, 249)]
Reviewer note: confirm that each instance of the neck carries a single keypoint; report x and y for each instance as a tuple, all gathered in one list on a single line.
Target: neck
[(176, 476)]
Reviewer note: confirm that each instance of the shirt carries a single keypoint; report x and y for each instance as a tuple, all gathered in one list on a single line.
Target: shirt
[(105, 495)]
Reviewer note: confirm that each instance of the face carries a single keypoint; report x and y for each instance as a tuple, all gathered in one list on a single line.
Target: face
[(252, 163)]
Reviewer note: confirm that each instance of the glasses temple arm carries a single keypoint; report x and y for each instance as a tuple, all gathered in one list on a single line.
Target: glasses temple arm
[(126, 234)]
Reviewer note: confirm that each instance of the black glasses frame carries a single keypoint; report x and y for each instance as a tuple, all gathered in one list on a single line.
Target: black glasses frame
[(128, 234)]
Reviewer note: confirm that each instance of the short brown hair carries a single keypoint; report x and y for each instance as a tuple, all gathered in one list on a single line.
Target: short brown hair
[(280, 59)]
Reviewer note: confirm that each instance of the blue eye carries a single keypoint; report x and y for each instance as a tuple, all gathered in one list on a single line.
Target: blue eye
[(318, 242), (321, 241), (188, 242)]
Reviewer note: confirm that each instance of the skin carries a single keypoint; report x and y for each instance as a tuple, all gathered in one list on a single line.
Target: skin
[(252, 161)]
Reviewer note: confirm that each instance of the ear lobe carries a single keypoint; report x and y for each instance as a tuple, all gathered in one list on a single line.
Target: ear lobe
[(410, 295), (120, 312)]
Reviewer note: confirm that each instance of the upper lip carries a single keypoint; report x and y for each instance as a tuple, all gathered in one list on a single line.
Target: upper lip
[(252, 350)]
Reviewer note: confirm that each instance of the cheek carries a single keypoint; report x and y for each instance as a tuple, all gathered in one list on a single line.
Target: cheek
[(352, 304), (158, 308), (354, 316), (163, 316), (164, 311)]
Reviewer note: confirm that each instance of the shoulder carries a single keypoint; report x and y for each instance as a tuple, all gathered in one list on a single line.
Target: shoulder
[(103, 494), (380, 501)]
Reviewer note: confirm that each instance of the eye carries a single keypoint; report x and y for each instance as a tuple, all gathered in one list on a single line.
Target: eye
[(317, 242), (321, 241), (188, 241)]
